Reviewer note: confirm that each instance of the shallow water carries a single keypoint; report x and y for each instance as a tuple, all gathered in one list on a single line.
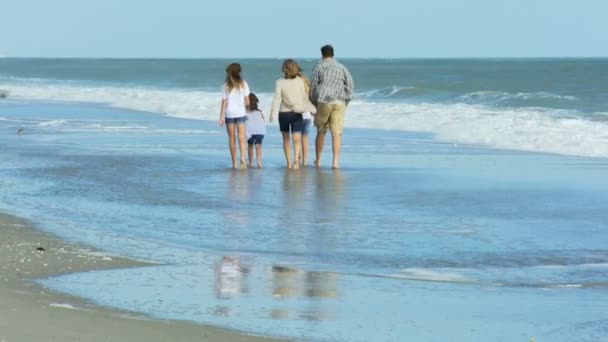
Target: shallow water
[(414, 239)]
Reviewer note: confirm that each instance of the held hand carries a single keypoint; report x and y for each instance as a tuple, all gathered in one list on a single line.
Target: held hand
[(271, 118)]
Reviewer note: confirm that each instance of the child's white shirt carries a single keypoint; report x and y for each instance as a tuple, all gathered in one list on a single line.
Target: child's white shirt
[(255, 123)]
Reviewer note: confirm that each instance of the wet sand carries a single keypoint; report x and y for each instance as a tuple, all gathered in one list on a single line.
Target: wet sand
[(30, 313)]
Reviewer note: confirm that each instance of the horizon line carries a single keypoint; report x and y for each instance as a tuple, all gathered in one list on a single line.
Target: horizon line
[(301, 57)]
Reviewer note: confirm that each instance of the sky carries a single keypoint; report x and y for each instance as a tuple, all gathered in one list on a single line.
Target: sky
[(280, 28)]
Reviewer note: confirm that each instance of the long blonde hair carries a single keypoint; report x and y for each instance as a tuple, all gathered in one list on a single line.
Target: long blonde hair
[(233, 77), (291, 69), (304, 79)]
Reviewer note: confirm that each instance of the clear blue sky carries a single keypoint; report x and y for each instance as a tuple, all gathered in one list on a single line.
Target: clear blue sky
[(280, 28)]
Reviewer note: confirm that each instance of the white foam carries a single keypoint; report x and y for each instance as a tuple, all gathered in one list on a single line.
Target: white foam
[(52, 123), (384, 93), (497, 96), (595, 265), (432, 275), (63, 306), (102, 127), (179, 103), (568, 286), (121, 128), (526, 129)]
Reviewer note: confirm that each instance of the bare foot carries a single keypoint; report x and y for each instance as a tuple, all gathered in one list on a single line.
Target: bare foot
[(295, 166), (259, 165), (335, 166), (316, 163), (243, 165), (234, 166)]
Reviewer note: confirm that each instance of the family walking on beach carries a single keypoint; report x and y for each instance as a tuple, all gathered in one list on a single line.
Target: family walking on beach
[(296, 102)]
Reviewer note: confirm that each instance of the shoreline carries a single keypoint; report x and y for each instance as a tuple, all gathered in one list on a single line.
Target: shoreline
[(428, 135), (32, 313)]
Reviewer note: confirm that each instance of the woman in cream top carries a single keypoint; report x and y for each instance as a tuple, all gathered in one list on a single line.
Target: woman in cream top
[(290, 101)]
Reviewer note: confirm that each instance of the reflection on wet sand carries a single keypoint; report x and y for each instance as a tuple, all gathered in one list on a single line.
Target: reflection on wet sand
[(309, 196), (294, 293), (230, 276), (328, 197), (237, 192), (230, 283), (299, 284), (296, 193)]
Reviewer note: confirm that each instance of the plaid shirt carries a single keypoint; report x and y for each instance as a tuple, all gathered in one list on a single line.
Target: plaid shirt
[(330, 82)]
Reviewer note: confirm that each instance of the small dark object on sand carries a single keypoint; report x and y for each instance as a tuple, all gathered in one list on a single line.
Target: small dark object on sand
[(40, 249), (20, 130)]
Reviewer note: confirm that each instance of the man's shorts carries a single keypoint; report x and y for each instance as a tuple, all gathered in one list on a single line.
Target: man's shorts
[(330, 115)]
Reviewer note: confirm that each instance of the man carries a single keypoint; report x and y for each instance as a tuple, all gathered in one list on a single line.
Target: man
[(332, 89)]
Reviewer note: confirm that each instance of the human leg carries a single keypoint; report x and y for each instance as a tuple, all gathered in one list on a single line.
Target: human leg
[(242, 142), (286, 149), (336, 140), (250, 150), (297, 146), (322, 123), (296, 134), (336, 125), (258, 154), (289, 122), (305, 132), (231, 143), (304, 149)]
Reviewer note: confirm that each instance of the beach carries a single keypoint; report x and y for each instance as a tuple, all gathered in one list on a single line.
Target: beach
[(458, 214), (30, 313)]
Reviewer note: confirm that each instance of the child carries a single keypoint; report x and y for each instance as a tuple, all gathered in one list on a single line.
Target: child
[(233, 114), (307, 116), (256, 128)]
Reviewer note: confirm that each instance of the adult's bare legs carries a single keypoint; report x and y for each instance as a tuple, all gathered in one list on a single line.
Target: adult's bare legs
[(242, 143), (336, 143), (319, 142), (297, 146), (329, 116), (231, 143), (286, 148), (336, 140)]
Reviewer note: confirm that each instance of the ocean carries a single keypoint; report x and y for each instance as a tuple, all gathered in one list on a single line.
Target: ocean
[(472, 202), (544, 105)]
